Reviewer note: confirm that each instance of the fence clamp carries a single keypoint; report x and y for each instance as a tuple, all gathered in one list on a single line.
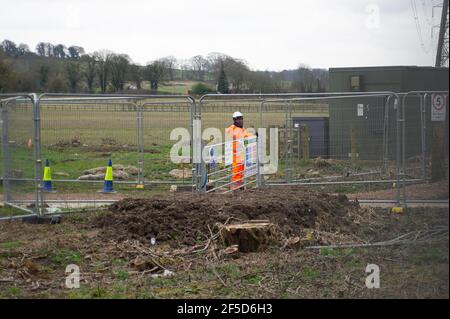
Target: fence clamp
[(398, 209)]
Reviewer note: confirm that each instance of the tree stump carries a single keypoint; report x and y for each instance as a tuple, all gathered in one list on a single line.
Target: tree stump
[(249, 236)]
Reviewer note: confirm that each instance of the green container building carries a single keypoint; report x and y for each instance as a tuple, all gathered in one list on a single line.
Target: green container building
[(366, 116)]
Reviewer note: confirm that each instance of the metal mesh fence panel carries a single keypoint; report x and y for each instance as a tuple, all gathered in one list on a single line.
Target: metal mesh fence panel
[(425, 157), (339, 144), (83, 135), (166, 125), (18, 169), (79, 137), (370, 146), (275, 116)]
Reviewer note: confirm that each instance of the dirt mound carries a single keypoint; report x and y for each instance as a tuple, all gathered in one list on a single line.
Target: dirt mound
[(120, 172), (184, 218)]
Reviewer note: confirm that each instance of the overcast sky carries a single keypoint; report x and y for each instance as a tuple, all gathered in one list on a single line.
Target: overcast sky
[(269, 35)]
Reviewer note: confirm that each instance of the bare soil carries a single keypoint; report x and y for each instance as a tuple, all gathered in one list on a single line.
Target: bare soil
[(185, 218), (437, 190), (117, 260)]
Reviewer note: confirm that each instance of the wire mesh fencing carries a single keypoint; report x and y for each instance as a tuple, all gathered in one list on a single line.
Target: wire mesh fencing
[(64, 144), (426, 145), (341, 147), (18, 156), (166, 125), (79, 136), (56, 148)]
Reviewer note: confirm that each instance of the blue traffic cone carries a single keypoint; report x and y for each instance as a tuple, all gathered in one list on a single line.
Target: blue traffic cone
[(47, 179), (108, 184)]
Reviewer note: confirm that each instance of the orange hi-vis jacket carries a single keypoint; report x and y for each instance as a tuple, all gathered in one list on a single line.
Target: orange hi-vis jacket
[(238, 135)]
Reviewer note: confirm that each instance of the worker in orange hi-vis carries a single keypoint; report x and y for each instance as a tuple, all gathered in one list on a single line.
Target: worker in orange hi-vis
[(238, 133)]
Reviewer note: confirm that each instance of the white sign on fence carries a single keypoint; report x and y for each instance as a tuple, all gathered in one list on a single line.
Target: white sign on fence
[(228, 153), (438, 107), (360, 109), (251, 154)]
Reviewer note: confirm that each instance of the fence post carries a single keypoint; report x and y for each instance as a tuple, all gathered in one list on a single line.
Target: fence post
[(5, 151), (258, 167), (305, 141), (353, 142), (39, 198), (423, 118), (386, 134), (288, 141), (192, 109), (140, 136), (203, 170)]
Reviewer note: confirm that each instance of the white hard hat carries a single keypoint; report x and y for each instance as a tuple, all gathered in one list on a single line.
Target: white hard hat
[(237, 114)]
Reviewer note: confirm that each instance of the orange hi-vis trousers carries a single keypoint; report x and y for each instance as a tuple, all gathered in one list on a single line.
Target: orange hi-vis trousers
[(238, 166)]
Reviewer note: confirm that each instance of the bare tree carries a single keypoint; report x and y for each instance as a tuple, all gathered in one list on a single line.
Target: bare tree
[(170, 62), (214, 62), (186, 70), (73, 75), (7, 77), (155, 73), (262, 82), (49, 50), (89, 71), (237, 71), (59, 51), (102, 61), (23, 49), (119, 64), (75, 52), (136, 75), (40, 48), (199, 64), (10, 48), (309, 80), (44, 70)]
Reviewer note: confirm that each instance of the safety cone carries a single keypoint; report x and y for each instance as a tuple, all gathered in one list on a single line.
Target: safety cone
[(48, 178), (108, 184)]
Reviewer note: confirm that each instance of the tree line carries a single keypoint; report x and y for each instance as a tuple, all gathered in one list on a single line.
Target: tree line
[(59, 68)]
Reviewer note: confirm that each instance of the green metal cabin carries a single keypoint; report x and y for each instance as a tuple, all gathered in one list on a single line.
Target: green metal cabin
[(367, 115)]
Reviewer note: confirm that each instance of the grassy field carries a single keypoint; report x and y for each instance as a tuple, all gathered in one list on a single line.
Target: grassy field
[(177, 87), (77, 138)]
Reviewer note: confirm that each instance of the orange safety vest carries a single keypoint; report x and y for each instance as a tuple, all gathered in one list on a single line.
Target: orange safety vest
[(237, 134)]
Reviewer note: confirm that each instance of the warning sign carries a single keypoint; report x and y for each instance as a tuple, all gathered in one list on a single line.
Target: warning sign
[(438, 107), (360, 110), (251, 162), (228, 153)]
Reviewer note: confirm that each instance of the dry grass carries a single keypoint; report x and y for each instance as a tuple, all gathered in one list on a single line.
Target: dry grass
[(33, 260)]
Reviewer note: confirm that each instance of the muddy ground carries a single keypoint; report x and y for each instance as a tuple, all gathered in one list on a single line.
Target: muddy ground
[(185, 218), (117, 259)]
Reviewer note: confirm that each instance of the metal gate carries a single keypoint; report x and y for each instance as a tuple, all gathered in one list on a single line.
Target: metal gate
[(20, 148), (164, 125)]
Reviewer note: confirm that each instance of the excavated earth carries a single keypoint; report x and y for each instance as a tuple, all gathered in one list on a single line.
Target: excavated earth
[(187, 219)]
